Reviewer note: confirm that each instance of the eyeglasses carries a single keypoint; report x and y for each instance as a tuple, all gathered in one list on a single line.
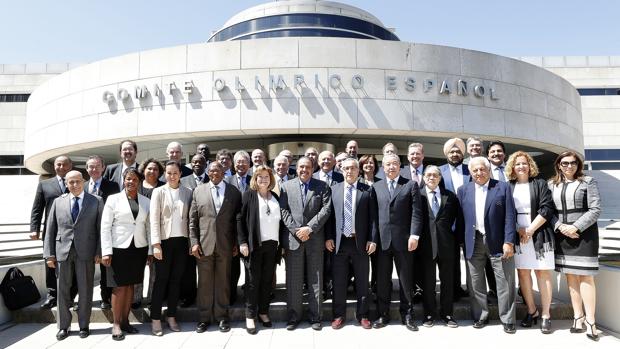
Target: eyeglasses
[(568, 163)]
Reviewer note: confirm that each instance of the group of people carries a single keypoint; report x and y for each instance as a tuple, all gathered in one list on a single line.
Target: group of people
[(334, 219)]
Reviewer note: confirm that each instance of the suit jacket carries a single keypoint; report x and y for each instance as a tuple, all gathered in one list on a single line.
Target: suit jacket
[(190, 182), (209, 228), (83, 234), (440, 225), (248, 220), (499, 216), (541, 203), (398, 217), (337, 177), (105, 189), (232, 180), (118, 227), (47, 191), (161, 209), (113, 174), (446, 177), (296, 213), (364, 216), (406, 172)]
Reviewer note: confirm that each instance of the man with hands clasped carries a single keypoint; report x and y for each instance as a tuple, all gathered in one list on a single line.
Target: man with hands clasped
[(349, 238)]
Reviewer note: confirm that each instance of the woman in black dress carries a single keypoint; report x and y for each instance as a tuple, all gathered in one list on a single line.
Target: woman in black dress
[(125, 247)]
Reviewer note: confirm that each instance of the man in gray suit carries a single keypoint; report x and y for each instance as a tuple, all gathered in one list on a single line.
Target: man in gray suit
[(47, 191), (72, 245), (306, 207), (212, 233)]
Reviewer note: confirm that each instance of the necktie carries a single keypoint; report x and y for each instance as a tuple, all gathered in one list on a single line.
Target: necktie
[(391, 188), (328, 179), (304, 192), (198, 179), (500, 174), (75, 209), (242, 183), (435, 204), (347, 224), (217, 199), (415, 177), (63, 187)]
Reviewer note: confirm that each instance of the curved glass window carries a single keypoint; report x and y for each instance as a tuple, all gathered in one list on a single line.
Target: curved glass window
[(303, 25)]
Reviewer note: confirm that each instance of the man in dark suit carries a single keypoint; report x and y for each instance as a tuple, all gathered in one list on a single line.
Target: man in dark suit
[(453, 175), (198, 177), (72, 245), (352, 149), (258, 158), (306, 207), (47, 191), (440, 209), (399, 224), (128, 151), (97, 185), (488, 214), (241, 181), (349, 239), (289, 156), (388, 148), (213, 231)]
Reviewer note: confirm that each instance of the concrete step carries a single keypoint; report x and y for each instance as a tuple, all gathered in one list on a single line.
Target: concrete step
[(462, 310), (14, 228), (20, 245), (13, 237)]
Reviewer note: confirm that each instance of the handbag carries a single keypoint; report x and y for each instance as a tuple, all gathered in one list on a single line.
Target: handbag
[(18, 290)]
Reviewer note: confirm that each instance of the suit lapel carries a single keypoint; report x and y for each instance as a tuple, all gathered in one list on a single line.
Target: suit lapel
[(444, 199), (447, 177), (311, 188), (85, 204), (491, 191), (399, 185)]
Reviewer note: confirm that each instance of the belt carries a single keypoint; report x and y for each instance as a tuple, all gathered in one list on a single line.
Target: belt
[(349, 237)]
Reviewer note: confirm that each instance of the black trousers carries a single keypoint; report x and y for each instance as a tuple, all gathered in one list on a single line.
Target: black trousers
[(168, 276), (348, 255), (445, 264), (259, 281), (235, 274), (189, 286), (106, 292), (404, 268)]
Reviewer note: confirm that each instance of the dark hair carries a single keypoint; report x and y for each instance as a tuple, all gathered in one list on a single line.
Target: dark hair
[(559, 176), (98, 158), (133, 144), (500, 143), (173, 163), (364, 159), (223, 152), (133, 170), (146, 162)]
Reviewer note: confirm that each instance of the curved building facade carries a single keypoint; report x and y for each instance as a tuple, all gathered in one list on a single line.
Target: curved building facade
[(263, 81)]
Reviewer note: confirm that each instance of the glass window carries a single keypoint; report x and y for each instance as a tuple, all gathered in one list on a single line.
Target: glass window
[(599, 91), (14, 97)]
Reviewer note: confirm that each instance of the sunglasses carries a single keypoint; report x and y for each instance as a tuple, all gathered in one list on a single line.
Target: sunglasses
[(567, 163)]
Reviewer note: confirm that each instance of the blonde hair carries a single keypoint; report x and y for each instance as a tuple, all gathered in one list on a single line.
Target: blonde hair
[(259, 169), (509, 170)]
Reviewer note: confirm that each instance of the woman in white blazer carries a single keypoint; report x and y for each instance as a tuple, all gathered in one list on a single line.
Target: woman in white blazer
[(169, 221), (125, 247)]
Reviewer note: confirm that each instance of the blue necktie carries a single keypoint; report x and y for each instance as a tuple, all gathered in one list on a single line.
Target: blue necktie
[(75, 209), (347, 224), (435, 204), (500, 174)]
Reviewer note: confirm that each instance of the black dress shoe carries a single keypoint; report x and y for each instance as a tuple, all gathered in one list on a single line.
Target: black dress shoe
[(265, 323), (381, 322), (316, 325), (84, 332), (202, 327), (62, 334), (105, 305), (186, 303), (545, 326), (428, 321), (118, 337), (291, 325), (410, 323), (510, 328), (129, 329), (224, 326), (136, 305), (450, 322), (481, 323), (49, 303)]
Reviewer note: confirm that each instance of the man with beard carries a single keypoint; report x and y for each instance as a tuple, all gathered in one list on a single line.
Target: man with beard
[(352, 149), (453, 176), (128, 151)]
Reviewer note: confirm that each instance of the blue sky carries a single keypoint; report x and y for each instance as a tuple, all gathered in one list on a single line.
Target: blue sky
[(45, 31)]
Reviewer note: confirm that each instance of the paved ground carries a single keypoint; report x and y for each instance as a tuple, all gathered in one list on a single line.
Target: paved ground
[(350, 337)]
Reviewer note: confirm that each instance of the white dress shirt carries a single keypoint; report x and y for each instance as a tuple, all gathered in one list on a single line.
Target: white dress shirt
[(494, 172), (481, 198), (177, 211), (456, 173), (430, 194), (81, 196)]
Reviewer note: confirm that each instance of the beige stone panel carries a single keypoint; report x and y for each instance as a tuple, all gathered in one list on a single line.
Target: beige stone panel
[(169, 119), (83, 129), (383, 54), (69, 107), (84, 77), (118, 125), (269, 53), (453, 96), (119, 69), (434, 58), (418, 93), (93, 100), (507, 95), (201, 83), (533, 102), (272, 115), (163, 61), (439, 117), (214, 56), (329, 115), (215, 116), (373, 83), (393, 115), (520, 125), (483, 121), (547, 131), (327, 52), (557, 109)]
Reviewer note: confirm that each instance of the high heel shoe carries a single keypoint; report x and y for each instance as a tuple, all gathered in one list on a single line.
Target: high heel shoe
[(173, 325), (580, 329), (530, 318), (250, 326), (156, 329), (545, 325), (592, 331), (265, 323)]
